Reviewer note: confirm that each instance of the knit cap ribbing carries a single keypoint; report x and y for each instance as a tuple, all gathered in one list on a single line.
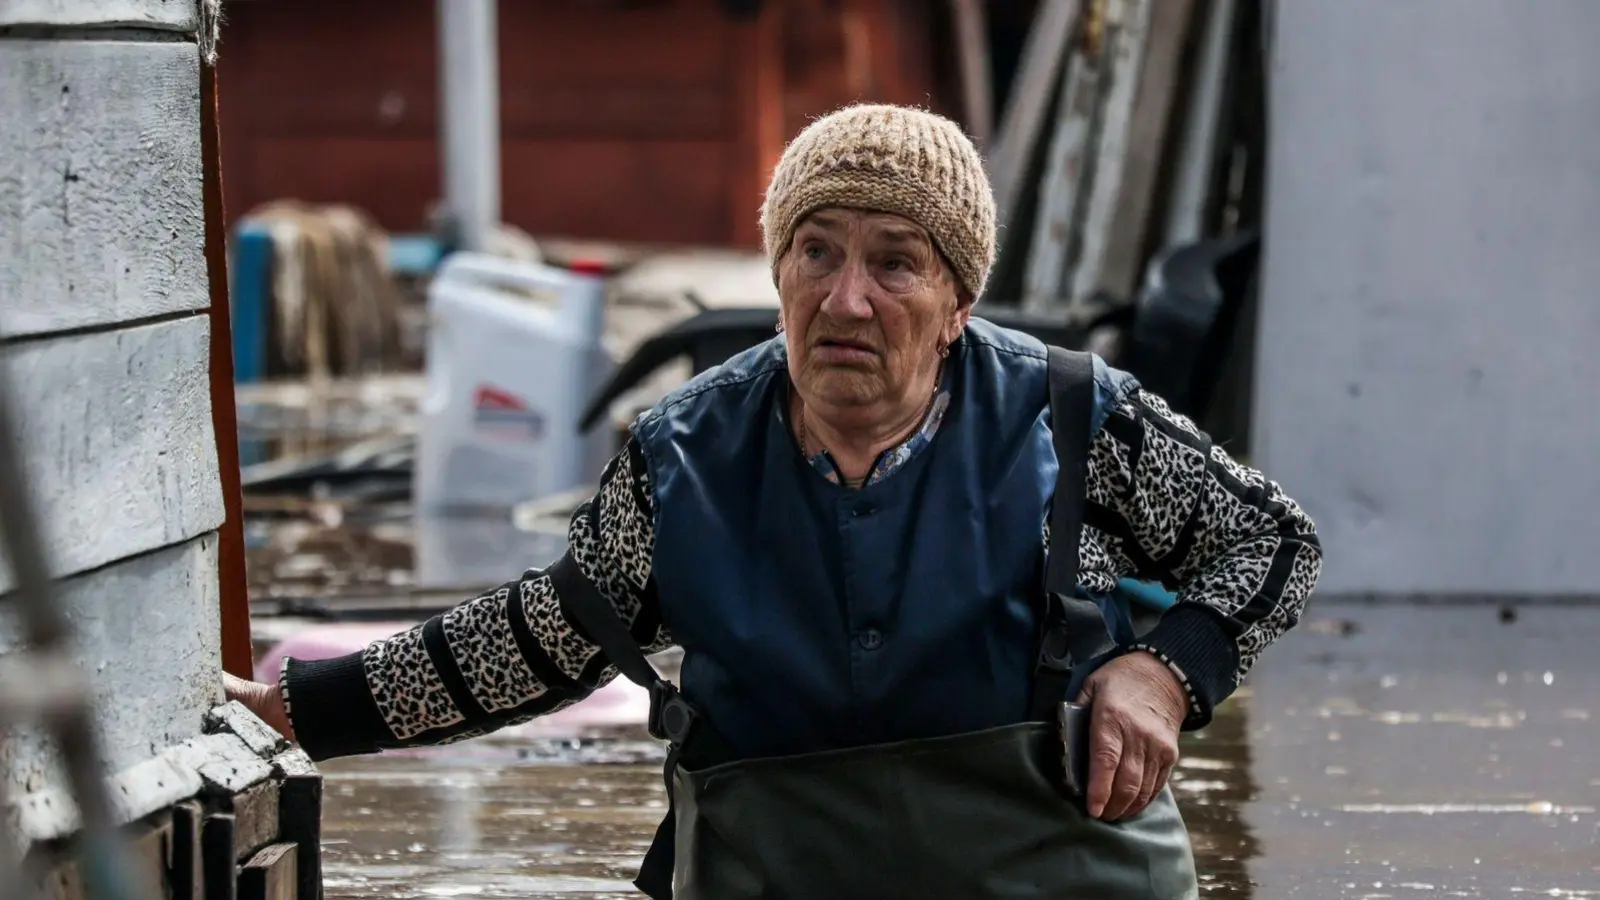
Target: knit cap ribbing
[(893, 159)]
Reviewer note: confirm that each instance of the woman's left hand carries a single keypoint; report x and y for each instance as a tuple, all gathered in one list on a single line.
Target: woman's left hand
[(1137, 708)]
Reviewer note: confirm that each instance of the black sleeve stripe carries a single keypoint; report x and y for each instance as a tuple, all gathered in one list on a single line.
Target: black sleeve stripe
[(444, 662), (1257, 495), (1115, 526), (539, 663), (1267, 598)]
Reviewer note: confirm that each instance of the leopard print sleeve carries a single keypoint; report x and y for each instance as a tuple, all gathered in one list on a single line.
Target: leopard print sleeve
[(502, 658), (1165, 503)]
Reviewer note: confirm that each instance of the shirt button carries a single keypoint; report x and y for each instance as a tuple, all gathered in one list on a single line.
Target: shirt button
[(871, 639), (866, 509)]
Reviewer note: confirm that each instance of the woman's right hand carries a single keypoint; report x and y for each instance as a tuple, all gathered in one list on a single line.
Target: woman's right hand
[(264, 700)]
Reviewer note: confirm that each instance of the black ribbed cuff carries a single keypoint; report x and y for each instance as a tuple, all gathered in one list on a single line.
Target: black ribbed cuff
[(332, 709), (1197, 640)]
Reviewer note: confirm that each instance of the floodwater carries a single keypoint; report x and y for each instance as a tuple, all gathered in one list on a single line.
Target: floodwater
[(1378, 752)]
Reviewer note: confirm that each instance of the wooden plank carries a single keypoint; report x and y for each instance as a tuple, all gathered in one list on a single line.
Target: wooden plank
[(300, 817), (1126, 26), (146, 857), (178, 15), (63, 881), (1068, 177), (104, 181), (1145, 147), (117, 439), (219, 869), (150, 621), (187, 872), (1022, 121), (255, 819), (270, 875), (150, 857)]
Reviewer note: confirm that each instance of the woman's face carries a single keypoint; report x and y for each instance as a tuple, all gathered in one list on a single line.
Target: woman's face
[(867, 304)]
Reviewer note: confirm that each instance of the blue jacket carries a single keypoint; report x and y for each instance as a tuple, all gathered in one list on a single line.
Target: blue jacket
[(815, 617)]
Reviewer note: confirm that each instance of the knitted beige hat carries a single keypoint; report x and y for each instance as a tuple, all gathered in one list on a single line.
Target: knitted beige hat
[(893, 159)]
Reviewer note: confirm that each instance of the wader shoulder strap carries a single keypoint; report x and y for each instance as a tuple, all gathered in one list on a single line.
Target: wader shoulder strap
[(599, 620), (1073, 629), (672, 718)]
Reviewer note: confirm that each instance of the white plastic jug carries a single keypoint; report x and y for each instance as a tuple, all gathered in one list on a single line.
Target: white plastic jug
[(514, 351)]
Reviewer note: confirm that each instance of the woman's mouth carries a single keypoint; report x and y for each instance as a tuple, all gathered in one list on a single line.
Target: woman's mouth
[(839, 350)]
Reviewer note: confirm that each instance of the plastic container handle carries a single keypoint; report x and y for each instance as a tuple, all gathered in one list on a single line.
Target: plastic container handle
[(582, 309)]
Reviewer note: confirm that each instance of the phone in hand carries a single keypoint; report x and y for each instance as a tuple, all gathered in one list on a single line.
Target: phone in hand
[(1074, 723)]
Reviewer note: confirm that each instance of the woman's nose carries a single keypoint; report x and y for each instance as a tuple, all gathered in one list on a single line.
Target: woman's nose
[(848, 299)]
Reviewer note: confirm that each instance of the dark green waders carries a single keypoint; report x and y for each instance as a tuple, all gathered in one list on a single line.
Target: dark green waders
[(976, 816)]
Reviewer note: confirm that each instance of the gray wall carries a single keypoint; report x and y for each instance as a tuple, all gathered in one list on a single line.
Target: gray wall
[(103, 289), (1428, 364)]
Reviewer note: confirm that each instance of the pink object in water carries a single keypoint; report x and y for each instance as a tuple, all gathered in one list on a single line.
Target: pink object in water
[(620, 703)]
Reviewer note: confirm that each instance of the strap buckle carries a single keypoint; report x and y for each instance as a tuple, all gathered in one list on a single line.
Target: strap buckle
[(671, 716), (1054, 655), (1055, 644)]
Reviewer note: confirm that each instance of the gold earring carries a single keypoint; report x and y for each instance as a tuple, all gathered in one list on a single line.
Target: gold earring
[(944, 352)]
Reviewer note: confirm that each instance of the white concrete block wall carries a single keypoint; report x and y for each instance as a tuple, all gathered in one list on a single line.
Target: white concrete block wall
[(100, 185), (118, 442), (181, 15), (1428, 365), (148, 628), (105, 342)]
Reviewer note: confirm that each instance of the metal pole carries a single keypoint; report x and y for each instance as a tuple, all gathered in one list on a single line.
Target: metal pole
[(469, 93)]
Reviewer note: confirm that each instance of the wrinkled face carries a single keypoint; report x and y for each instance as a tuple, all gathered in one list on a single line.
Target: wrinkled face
[(867, 303)]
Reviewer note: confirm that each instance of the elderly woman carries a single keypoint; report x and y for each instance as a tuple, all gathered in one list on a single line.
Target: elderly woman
[(848, 532)]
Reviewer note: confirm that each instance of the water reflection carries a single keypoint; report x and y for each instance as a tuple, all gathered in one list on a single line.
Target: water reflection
[(1213, 783), (1426, 754), (559, 818)]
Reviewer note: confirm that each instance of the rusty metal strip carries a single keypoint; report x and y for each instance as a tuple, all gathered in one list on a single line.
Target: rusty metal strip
[(231, 582)]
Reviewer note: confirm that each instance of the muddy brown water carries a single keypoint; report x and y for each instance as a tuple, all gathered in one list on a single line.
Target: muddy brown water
[(1382, 752)]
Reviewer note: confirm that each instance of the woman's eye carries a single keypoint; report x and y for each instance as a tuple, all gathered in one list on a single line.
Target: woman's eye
[(813, 251)]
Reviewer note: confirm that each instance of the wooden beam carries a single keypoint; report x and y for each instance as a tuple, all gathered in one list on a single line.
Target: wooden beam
[(216, 850), (187, 874), (1125, 33), (1022, 122), (270, 874), (147, 857), (255, 819), (1065, 181), (300, 817), (1145, 148), (237, 657)]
